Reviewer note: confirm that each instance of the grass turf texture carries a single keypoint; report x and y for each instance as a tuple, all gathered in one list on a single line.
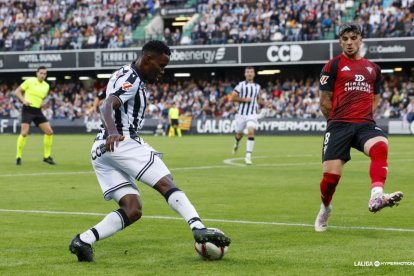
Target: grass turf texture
[(281, 187)]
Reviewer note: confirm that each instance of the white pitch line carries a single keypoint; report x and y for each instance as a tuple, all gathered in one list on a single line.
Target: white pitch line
[(230, 161), (199, 168), (226, 161), (43, 173), (215, 220), (90, 172)]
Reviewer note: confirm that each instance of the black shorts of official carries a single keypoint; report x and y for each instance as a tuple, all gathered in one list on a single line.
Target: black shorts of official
[(174, 122), (341, 136), (32, 114)]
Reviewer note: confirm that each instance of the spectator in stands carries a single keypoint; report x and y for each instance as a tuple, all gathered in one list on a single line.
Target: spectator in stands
[(410, 111)]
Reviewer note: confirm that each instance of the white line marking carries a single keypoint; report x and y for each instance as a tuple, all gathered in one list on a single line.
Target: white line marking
[(213, 220), (226, 161), (199, 168), (90, 172), (43, 173), (230, 161)]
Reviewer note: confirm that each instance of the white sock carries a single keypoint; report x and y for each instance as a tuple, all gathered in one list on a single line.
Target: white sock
[(376, 190), (111, 224), (88, 237), (249, 148), (323, 207), (179, 202)]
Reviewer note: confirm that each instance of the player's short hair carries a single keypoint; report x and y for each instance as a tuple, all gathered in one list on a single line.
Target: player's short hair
[(157, 47), (41, 68), (350, 27), (248, 68)]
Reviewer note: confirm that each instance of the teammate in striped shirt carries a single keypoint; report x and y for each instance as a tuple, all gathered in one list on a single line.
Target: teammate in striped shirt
[(350, 93), (120, 156), (247, 95)]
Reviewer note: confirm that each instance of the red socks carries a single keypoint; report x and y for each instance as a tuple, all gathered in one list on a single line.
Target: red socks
[(328, 186), (378, 172), (379, 166)]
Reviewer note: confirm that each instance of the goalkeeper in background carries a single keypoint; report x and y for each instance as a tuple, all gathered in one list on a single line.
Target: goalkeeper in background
[(31, 93)]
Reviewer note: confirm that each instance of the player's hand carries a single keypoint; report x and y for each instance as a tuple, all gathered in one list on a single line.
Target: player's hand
[(112, 141), (247, 100), (26, 103)]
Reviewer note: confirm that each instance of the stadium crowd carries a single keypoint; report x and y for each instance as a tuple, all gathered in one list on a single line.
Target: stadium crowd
[(202, 99), (241, 21), (71, 24)]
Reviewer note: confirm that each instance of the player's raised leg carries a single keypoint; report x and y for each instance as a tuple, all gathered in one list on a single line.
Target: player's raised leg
[(237, 138), (377, 149)]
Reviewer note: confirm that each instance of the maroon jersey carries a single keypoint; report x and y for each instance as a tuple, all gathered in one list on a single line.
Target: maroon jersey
[(353, 83)]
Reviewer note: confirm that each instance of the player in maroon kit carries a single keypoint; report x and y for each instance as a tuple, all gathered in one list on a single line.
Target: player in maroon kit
[(350, 87)]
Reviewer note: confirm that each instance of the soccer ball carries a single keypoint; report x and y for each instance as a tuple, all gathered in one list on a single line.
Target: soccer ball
[(210, 251)]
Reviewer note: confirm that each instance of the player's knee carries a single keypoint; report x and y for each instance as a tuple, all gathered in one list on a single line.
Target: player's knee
[(134, 214), (379, 150), (331, 177), (165, 184)]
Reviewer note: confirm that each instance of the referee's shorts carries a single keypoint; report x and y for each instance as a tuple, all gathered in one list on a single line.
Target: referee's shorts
[(32, 114)]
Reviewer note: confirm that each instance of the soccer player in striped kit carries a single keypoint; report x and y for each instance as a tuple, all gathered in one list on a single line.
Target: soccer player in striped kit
[(350, 93), (247, 95), (120, 156)]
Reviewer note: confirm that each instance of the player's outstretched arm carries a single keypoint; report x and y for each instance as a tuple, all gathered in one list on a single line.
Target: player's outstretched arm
[(114, 137), (325, 103)]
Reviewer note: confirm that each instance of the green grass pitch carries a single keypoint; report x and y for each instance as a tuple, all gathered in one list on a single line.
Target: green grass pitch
[(268, 209)]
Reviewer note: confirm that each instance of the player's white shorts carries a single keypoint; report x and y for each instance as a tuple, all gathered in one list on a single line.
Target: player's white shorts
[(132, 159), (245, 121)]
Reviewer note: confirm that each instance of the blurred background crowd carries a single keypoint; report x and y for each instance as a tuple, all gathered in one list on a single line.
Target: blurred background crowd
[(290, 98), (70, 24), (87, 24)]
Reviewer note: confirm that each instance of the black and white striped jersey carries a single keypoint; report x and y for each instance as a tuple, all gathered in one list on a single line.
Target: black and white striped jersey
[(248, 90), (127, 86)]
